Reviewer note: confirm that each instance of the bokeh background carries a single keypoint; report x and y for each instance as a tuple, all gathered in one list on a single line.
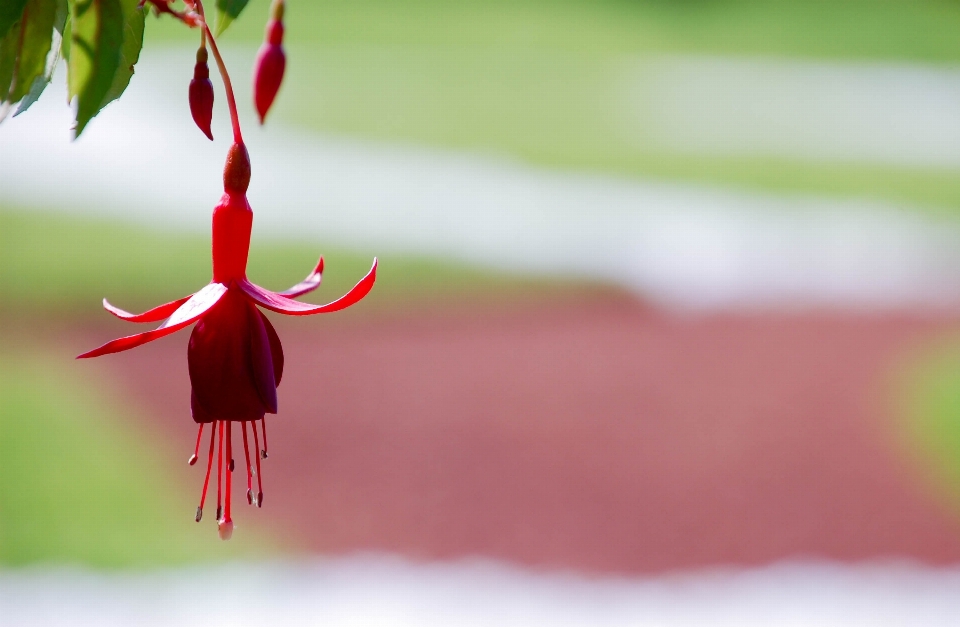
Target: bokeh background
[(665, 329)]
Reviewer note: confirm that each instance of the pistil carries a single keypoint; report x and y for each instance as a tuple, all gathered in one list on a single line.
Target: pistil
[(220, 473), (225, 527)]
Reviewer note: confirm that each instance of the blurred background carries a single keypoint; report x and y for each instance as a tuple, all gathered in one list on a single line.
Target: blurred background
[(665, 329)]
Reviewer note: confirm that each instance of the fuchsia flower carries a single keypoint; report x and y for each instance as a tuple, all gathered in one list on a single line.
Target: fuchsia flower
[(234, 356), (270, 64)]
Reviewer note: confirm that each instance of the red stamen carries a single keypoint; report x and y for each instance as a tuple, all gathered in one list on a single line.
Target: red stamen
[(263, 422), (220, 473), (229, 474), (246, 453), (256, 443), (196, 449), (206, 478)]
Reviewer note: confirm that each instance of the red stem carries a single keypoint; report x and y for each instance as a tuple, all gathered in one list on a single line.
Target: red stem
[(227, 84)]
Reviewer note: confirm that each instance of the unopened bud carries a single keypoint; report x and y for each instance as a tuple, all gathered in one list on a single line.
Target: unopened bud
[(201, 94), (270, 64)]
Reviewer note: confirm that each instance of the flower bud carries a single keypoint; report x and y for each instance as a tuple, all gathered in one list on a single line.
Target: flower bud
[(201, 94), (270, 64)]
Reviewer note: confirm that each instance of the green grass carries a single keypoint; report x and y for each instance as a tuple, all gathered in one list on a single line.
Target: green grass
[(61, 266), (81, 485), (929, 400), (546, 81), (864, 29)]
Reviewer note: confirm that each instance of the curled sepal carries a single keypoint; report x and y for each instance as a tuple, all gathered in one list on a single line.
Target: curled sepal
[(282, 304), (201, 94), (307, 285), (157, 313), (185, 315), (270, 64)]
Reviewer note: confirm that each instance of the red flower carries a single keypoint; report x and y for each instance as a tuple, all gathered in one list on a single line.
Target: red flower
[(234, 356), (270, 63)]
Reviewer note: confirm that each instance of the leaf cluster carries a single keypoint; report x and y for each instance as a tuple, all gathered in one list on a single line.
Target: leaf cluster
[(100, 41)]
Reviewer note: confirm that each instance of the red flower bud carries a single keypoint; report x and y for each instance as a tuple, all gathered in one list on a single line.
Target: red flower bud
[(201, 94), (268, 69)]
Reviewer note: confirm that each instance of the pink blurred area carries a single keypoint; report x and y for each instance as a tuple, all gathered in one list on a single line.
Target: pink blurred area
[(604, 437)]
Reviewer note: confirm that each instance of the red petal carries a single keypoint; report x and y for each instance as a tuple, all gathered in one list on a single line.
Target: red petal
[(284, 305), (276, 348), (186, 314), (219, 360), (261, 360), (309, 284), (157, 313)]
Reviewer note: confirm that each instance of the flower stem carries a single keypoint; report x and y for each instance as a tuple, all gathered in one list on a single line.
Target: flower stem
[(227, 84)]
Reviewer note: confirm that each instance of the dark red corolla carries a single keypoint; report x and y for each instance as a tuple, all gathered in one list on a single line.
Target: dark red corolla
[(234, 356)]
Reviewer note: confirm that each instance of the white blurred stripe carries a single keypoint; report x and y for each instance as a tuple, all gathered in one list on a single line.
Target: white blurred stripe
[(680, 246), (389, 592), (879, 113)]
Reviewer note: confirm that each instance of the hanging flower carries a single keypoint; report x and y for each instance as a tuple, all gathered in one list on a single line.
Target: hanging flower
[(270, 63), (234, 356)]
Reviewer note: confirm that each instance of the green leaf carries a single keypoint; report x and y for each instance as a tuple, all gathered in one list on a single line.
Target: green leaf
[(96, 41), (65, 46), (40, 83), (34, 41), (133, 23), (10, 11), (63, 13), (227, 11), (9, 47)]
